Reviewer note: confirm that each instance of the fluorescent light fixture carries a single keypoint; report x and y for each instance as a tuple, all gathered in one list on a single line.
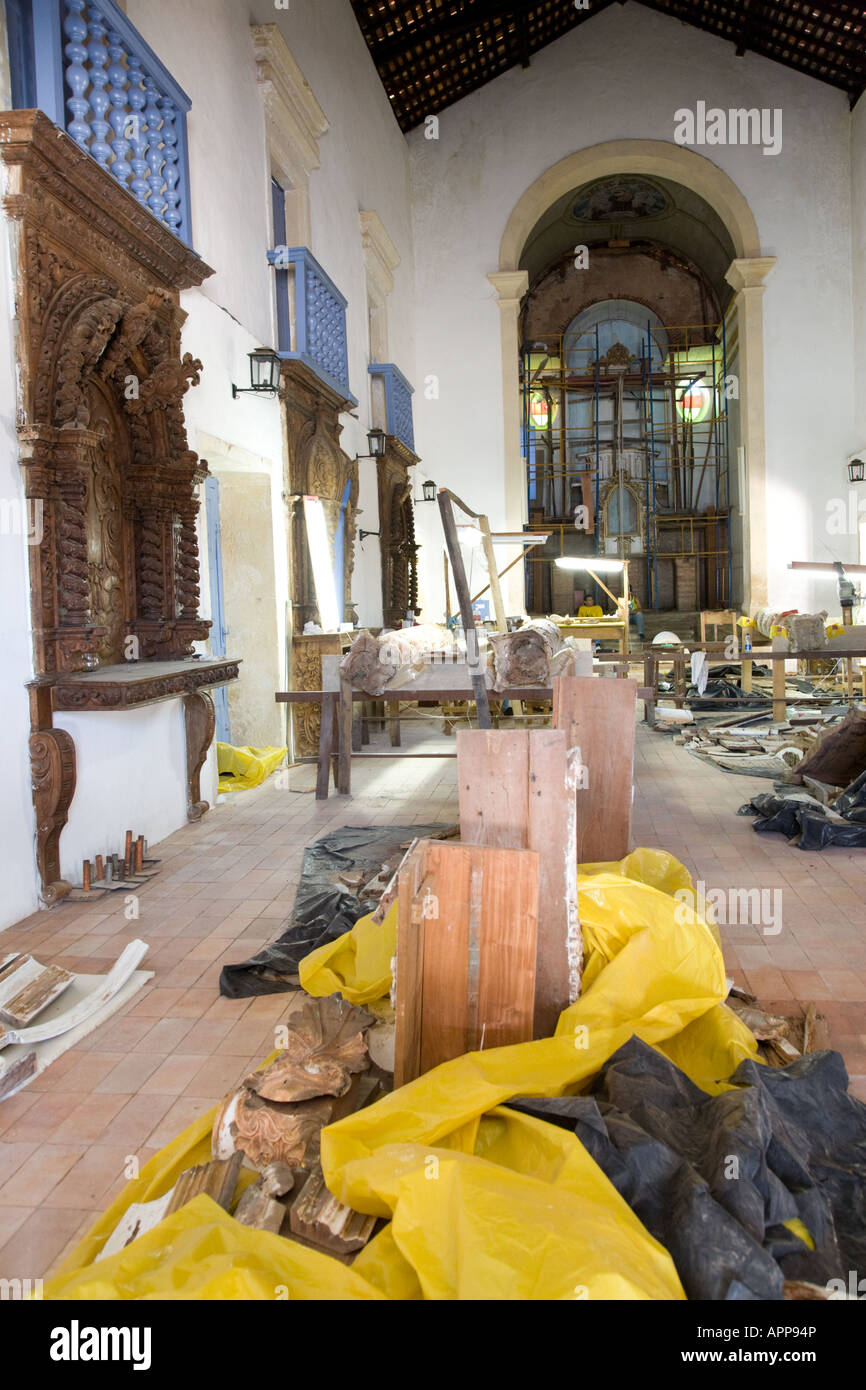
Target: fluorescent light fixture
[(320, 558), (821, 567), (590, 562)]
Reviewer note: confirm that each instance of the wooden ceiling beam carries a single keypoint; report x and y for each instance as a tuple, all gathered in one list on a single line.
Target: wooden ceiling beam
[(824, 41), (391, 50)]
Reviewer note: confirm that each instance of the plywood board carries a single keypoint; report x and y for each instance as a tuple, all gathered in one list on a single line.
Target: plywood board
[(516, 791), (409, 968), (466, 947), (598, 717)]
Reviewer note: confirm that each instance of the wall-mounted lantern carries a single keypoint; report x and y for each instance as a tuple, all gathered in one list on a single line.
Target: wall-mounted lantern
[(264, 374), (376, 440)]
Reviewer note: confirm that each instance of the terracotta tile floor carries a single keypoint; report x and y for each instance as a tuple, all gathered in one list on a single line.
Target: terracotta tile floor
[(228, 883)]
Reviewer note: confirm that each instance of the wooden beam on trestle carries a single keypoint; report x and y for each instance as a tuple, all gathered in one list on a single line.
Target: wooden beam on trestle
[(495, 591), (466, 944), (598, 718), (473, 652), (517, 791)]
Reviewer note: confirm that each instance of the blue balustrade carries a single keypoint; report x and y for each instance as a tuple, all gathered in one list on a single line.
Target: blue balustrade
[(398, 402), (87, 67), (317, 327)]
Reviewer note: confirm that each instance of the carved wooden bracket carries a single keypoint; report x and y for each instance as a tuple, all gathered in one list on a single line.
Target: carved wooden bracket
[(52, 767), (200, 721)]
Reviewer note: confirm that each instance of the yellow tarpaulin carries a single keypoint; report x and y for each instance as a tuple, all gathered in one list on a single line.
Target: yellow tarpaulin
[(241, 769), (482, 1202)]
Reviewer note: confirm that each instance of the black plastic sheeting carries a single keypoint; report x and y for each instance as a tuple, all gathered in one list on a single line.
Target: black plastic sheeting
[(720, 693), (713, 1178), (323, 909), (809, 820)]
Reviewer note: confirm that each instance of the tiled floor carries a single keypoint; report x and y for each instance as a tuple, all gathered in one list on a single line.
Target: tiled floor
[(228, 883)]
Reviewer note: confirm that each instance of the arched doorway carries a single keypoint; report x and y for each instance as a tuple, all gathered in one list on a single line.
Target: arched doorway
[(657, 164)]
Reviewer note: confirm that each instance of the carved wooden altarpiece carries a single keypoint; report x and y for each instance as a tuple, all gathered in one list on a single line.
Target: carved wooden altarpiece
[(103, 448), (317, 467), (397, 533)]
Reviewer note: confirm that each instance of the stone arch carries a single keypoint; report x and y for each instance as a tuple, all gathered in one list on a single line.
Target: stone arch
[(746, 274), (658, 158)]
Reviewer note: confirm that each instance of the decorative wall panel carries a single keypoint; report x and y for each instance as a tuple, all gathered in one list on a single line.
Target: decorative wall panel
[(103, 445)]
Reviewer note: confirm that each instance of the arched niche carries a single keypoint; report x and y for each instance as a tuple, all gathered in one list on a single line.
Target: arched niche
[(746, 274)]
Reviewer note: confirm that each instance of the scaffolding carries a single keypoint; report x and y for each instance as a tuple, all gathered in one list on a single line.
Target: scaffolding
[(638, 437)]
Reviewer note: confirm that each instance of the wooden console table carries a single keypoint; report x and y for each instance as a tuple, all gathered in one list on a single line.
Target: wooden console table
[(128, 685)]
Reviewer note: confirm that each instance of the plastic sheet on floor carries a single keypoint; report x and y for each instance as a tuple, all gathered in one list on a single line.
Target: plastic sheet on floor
[(746, 1189), (803, 818), (241, 769), (324, 909), (481, 1202)]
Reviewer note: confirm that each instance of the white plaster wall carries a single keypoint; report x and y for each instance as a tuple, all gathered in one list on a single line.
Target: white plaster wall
[(17, 819), (858, 298), (364, 167), (623, 75), (127, 780), (247, 431), (206, 46)]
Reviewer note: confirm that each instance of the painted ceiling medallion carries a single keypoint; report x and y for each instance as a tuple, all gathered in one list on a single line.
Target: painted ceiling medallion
[(619, 200)]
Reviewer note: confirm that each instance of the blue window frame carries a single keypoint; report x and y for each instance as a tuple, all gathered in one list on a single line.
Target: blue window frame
[(88, 68)]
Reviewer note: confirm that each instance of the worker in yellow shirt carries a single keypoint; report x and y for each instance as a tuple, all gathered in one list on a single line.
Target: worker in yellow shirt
[(635, 615)]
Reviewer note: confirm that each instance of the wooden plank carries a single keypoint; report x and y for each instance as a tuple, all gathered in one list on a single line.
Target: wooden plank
[(452, 950), (409, 970), (326, 737), (344, 755), (466, 948), (495, 590), (516, 792), (598, 718), (449, 526), (780, 706)]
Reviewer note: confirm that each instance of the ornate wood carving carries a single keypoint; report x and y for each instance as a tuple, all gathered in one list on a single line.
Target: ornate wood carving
[(126, 688), (52, 768), (307, 653), (397, 534), (200, 721), (103, 446), (317, 467), (100, 419)]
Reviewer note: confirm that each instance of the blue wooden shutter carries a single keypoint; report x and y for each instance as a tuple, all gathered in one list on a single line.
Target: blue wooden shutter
[(281, 277), (217, 601)]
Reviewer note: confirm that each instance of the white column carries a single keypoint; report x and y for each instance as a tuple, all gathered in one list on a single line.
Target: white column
[(511, 286), (747, 278)]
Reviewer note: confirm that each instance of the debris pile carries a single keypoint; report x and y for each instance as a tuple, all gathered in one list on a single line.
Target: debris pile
[(572, 1076)]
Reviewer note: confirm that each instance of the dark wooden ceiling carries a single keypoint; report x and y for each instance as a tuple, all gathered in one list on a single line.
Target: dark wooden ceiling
[(430, 53)]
